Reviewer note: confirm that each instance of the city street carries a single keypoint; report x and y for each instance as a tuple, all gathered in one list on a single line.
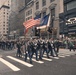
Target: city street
[(31, 33), (64, 64)]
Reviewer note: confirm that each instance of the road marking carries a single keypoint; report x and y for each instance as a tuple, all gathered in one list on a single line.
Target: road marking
[(47, 59), (52, 57), (20, 61), (14, 68), (61, 56), (55, 57), (36, 61), (44, 58)]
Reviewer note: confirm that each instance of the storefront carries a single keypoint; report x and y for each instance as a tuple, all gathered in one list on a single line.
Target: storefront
[(68, 19)]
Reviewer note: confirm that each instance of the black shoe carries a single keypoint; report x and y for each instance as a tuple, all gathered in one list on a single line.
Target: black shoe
[(37, 59), (48, 57), (30, 62)]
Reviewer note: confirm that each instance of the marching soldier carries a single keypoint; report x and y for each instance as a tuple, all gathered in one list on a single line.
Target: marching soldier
[(35, 50), (45, 47), (29, 51), (41, 48), (18, 49), (50, 49)]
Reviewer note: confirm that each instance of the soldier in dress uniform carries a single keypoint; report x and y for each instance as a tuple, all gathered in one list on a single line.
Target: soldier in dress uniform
[(45, 47), (50, 48), (41, 48), (53, 47), (18, 45), (29, 51), (35, 50)]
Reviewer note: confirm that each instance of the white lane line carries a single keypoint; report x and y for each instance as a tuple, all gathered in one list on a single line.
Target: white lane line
[(36, 61), (14, 68), (61, 56), (20, 61), (55, 57), (52, 57), (45, 58), (66, 54)]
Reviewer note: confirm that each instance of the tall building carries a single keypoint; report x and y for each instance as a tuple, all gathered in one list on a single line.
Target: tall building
[(17, 18), (4, 18), (68, 19)]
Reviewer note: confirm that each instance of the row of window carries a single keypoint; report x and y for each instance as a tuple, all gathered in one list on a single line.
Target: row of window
[(43, 3), (70, 5), (37, 7), (44, 13)]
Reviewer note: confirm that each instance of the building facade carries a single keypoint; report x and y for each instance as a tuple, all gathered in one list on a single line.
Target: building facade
[(44, 7), (23, 10), (68, 18)]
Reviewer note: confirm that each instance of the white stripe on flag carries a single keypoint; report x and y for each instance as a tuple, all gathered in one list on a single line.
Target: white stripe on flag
[(14, 68)]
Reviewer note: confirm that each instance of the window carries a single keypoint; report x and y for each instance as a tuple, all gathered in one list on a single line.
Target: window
[(29, 12), (53, 12), (71, 5), (52, 0), (4, 12), (7, 28), (43, 2), (37, 5)]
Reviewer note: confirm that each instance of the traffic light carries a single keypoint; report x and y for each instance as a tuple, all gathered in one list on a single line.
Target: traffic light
[(50, 29), (37, 32)]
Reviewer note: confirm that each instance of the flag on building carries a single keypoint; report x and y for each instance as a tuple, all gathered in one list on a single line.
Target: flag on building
[(45, 22), (32, 22)]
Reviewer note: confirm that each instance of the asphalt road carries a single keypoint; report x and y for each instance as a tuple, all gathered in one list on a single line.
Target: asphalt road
[(62, 66)]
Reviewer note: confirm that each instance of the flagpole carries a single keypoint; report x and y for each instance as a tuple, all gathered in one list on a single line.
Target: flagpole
[(48, 25)]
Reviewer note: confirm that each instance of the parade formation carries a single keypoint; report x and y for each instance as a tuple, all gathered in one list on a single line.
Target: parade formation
[(37, 46)]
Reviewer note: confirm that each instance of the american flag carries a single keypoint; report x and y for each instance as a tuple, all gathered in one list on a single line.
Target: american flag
[(30, 23)]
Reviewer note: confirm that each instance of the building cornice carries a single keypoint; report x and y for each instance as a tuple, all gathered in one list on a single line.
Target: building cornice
[(53, 5)]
